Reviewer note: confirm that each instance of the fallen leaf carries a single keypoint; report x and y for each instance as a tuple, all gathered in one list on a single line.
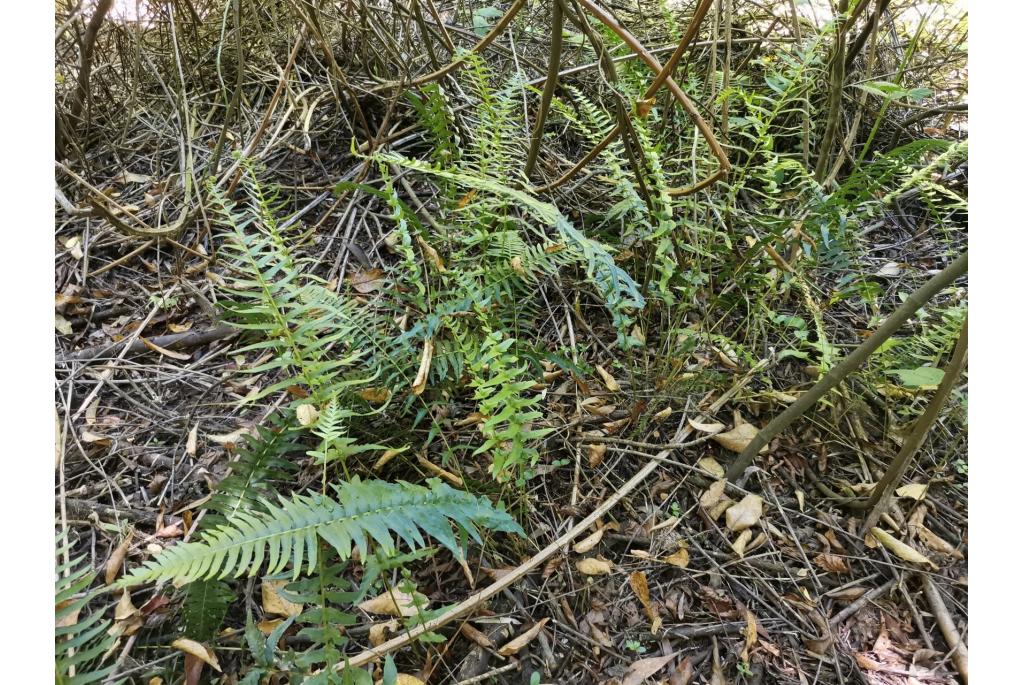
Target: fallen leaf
[(593, 567), (180, 356), (180, 327), (375, 395), (395, 603), (714, 494), (889, 270), (420, 383), (682, 674), (74, 244), (588, 543), (517, 643), (307, 414), (706, 427), (379, 632), (638, 581), (402, 679), (744, 514), (551, 566), (477, 636), (365, 282), (643, 669), (388, 456), (192, 442), (739, 545), (662, 415), (831, 563), (595, 453), (90, 437), (738, 438), (749, 634), (229, 438), (274, 603), (131, 177), (934, 542), (680, 558), (438, 471), (901, 549), (201, 652), (711, 465), (431, 254), (116, 560), (62, 325), (914, 491), (609, 380)]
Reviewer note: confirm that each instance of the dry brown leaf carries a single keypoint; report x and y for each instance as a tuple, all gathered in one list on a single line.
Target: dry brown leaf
[(517, 643), (125, 609), (744, 514), (201, 652), (62, 325), (379, 632), (402, 679), (749, 634), (738, 438), (831, 563), (229, 438), (274, 603), (680, 558), (375, 395), (914, 491), (307, 414), (365, 282), (438, 471), (477, 636), (588, 543), (714, 494), (934, 542), (420, 383), (268, 626), (643, 669), (706, 427), (638, 581), (662, 415), (116, 560), (180, 356), (682, 674), (592, 566), (739, 545), (609, 380), (595, 453), (90, 437), (901, 549), (431, 254), (193, 441), (711, 465), (395, 603), (551, 566), (388, 456), (180, 327)]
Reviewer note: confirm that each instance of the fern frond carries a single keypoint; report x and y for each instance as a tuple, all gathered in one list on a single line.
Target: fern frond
[(204, 608), (364, 512), (79, 648)]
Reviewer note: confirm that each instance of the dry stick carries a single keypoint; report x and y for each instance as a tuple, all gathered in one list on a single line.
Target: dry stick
[(834, 377), (475, 600), (557, 20), (946, 625), (881, 495), (174, 341), (82, 90), (835, 98)]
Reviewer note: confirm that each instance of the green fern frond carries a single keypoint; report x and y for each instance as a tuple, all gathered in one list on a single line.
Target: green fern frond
[(204, 608), (364, 512), (79, 648)]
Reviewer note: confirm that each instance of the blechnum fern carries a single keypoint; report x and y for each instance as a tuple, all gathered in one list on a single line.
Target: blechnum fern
[(361, 515), (509, 414), (82, 643)]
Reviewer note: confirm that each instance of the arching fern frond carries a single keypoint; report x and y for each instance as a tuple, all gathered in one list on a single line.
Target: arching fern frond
[(364, 512), (80, 643)]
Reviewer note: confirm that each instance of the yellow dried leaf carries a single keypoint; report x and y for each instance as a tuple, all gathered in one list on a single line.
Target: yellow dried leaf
[(713, 495), (402, 679), (933, 541), (365, 282), (180, 356), (379, 632), (517, 643), (375, 395), (680, 558), (201, 652), (431, 254), (595, 453), (711, 465), (739, 546), (609, 380), (193, 441), (274, 603), (588, 543), (738, 438), (438, 471), (478, 636), (901, 549), (180, 327), (116, 560), (706, 427), (914, 491), (662, 415), (388, 456), (420, 383), (307, 414), (594, 567), (395, 603), (638, 581), (744, 514)]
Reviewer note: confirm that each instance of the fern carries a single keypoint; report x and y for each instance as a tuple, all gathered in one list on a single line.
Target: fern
[(509, 413), (204, 608), (81, 647), (363, 513)]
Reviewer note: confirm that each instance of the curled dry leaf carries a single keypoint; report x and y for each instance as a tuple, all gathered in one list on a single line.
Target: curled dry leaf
[(713, 495), (438, 471), (478, 636), (365, 282), (662, 415), (394, 603), (901, 549), (739, 546), (180, 356), (116, 560), (638, 581), (274, 603), (379, 632), (595, 453), (744, 514), (307, 414), (711, 465), (200, 651), (375, 395), (934, 542), (706, 427), (914, 491), (519, 642), (609, 380), (831, 563), (402, 679), (193, 441), (588, 543), (388, 456), (738, 438), (643, 669), (592, 566), (62, 325), (420, 382), (680, 558)]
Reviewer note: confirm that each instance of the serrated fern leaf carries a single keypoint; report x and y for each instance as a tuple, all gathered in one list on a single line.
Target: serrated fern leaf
[(363, 513)]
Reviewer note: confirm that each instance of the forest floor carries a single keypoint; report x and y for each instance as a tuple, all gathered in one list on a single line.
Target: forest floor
[(683, 576)]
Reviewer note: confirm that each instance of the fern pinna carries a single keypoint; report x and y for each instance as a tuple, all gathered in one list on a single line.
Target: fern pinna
[(363, 513)]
